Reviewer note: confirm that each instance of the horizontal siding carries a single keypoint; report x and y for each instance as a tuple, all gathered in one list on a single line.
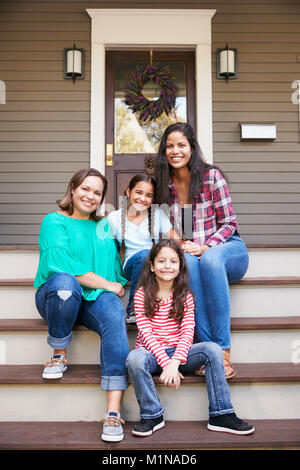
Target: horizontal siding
[(264, 177), (45, 125)]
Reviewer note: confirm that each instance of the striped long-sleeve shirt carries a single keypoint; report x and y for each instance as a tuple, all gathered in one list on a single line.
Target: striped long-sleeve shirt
[(161, 332)]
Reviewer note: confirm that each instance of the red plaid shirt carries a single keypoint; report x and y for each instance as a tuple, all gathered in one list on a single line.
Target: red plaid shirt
[(213, 217)]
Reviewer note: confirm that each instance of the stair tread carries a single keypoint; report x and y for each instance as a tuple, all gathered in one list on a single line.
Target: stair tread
[(249, 245), (90, 374), (247, 281), (261, 323), (237, 323), (268, 280), (283, 433)]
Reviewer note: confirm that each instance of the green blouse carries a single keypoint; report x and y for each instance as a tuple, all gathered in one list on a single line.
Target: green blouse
[(77, 247)]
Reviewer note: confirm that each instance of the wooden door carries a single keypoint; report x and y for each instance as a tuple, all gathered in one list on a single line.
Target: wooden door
[(131, 145)]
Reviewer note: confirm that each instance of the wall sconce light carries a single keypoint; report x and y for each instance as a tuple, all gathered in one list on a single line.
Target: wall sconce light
[(74, 63), (227, 63)]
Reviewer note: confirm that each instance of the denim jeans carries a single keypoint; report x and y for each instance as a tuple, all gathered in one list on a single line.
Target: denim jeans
[(133, 270), (209, 280), (60, 302), (142, 364)]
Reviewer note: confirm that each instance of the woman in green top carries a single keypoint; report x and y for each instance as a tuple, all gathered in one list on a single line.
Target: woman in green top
[(80, 280)]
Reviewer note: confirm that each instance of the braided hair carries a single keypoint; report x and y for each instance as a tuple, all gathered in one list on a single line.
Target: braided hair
[(151, 210)]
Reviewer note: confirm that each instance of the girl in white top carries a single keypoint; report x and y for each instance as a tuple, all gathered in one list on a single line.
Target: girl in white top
[(136, 227)]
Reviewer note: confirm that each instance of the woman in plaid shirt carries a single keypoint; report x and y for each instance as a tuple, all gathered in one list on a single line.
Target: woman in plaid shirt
[(201, 211)]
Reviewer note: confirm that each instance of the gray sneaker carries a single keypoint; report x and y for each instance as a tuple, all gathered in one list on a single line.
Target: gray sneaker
[(130, 317), (55, 367), (112, 427)]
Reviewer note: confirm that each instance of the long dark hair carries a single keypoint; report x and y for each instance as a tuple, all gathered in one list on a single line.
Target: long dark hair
[(197, 166), (132, 183), (149, 283), (66, 202)]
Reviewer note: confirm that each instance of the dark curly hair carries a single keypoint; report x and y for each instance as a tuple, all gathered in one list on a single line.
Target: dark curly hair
[(197, 165)]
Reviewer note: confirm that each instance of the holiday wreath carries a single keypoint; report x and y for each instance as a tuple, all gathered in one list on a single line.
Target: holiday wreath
[(150, 109)]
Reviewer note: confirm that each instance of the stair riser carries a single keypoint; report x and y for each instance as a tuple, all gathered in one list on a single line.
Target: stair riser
[(250, 346), (87, 403), (32, 348), (269, 262), (272, 263), (265, 301), (18, 264), (246, 301)]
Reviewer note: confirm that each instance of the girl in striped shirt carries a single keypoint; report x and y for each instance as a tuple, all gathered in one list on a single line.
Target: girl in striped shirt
[(164, 310)]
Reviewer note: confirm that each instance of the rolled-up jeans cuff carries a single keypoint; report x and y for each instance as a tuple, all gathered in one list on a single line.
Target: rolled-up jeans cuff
[(59, 343), (115, 382), (153, 416), (221, 412)]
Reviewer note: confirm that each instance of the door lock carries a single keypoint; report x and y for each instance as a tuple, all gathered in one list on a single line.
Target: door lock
[(109, 155)]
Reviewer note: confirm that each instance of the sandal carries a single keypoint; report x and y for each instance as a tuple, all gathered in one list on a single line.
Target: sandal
[(228, 365), (200, 371)]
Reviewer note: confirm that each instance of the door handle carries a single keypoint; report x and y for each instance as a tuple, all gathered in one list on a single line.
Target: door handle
[(109, 155)]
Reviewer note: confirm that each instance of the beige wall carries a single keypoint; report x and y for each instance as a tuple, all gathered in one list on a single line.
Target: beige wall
[(44, 125)]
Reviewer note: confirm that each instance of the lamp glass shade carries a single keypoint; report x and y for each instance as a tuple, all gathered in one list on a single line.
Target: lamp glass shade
[(73, 62), (227, 62)]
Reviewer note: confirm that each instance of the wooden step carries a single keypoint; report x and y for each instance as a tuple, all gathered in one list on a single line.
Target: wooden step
[(264, 260), (176, 435), (259, 391), (276, 296), (91, 373), (237, 324), (252, 246), (246, 301), (250, 281), (268, 281), (254, 339), (16, 282)]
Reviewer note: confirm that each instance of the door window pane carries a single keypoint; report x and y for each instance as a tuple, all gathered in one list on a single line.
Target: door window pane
[(132, 135)]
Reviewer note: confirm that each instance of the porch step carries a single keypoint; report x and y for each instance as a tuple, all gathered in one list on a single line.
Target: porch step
[(247, 281), (237, 324), (183, 435), (262, 296), (260, 339), (264, 260), (91, 373), (259, 391)]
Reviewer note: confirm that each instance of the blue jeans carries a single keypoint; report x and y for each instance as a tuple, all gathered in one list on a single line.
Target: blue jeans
[(60, 302), (133, 270), (209, 280), (142, 364)]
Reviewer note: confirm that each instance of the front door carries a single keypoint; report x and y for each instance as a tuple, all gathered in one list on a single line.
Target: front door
[(131, 144)]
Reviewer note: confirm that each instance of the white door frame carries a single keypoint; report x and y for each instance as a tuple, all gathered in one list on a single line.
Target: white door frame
[(143, 28)]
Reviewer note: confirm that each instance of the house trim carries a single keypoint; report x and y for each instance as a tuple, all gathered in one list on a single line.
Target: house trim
[(153, 28)]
